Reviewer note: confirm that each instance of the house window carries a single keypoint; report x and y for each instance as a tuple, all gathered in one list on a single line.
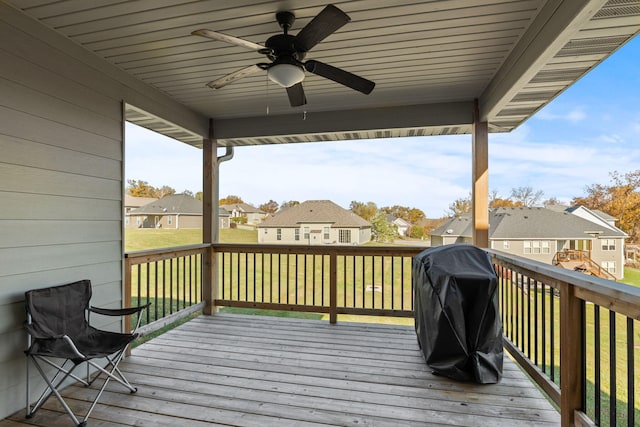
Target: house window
[(126, 220), (278, 233), (544, 245), (344, 236), (608, 245), (326, 233), (536, 247), (505, 244), (610, 266), (306, 233), (138, 220), (296, 234), (169, 220)]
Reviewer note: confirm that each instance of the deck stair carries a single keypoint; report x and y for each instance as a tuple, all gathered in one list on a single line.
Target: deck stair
[(577, 260)]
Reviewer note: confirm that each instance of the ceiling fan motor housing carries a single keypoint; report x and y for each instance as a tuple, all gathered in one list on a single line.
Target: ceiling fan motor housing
[(282, 46)]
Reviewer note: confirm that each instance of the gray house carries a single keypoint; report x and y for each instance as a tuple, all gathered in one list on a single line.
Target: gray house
[(543, 233), (315, 222), (174, 211)]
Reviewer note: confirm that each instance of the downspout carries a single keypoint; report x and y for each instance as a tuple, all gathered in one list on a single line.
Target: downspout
[(228, 155)]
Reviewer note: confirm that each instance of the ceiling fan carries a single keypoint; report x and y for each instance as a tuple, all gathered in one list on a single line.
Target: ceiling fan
[(287, 52)]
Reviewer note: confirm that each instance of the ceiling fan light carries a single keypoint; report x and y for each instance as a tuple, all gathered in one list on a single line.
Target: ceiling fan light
[(286, 75)]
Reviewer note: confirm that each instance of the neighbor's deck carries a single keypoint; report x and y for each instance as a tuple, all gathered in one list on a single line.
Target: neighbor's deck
[(266, 371)]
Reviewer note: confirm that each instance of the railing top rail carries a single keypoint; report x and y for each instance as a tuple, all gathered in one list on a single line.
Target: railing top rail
[(169, 252), (319, 249), (619, 297)]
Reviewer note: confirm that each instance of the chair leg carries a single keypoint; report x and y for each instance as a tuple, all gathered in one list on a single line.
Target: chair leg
[(53, 390)]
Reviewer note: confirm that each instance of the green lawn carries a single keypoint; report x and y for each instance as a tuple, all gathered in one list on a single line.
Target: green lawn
[(137, 239), (631, 277)]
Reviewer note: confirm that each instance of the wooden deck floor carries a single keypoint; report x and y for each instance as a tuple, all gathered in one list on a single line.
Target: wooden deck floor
[(265, 371)]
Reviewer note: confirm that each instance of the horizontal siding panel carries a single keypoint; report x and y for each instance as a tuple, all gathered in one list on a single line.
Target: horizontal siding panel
[(41, 258), (21, 98), (19, 37), (13, 287), (23, 152), (12, 317), (43, 80), (25, 206), (31, 180), (24, 233), (26, 126), (13, 345)]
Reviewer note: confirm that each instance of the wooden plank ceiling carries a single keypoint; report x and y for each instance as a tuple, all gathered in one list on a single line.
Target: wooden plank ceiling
[(429, 59)]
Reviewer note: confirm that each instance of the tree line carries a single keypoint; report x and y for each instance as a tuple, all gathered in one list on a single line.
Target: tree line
[(620, 198)]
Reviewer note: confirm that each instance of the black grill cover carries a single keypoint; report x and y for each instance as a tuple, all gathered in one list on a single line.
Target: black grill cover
[(457, 314)]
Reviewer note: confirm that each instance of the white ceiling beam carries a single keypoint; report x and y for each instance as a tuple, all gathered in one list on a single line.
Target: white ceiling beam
[(299, 123), (553, 27)]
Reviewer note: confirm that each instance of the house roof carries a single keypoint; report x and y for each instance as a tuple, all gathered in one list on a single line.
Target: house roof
[(430, 61), (531, 223), (174, 204), (242, 207), (136, 202), (315, 212)]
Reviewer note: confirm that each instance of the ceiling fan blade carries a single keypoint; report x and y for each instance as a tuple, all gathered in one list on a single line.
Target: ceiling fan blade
[(296, 95), (228, 39), (323, 25), (340, 76), (230, 78)]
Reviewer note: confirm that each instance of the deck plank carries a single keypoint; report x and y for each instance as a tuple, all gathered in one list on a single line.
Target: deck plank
[(243, 370)]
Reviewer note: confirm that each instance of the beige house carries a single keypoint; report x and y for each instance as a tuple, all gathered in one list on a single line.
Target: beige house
[(131, 203), (314, 222), (175, 211), (541, 233), (253, 215)]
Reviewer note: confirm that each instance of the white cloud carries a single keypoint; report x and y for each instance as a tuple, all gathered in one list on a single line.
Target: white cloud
[(573, 115)]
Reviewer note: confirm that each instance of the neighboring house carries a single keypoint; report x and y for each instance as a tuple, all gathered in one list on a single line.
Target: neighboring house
[(225, 218), (175, 211), (540, 233), (402, 226), (131, 202), (314, 222), (253, 215)]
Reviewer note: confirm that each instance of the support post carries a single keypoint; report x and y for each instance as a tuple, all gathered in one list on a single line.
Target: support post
[(571, 336), (480, 180), (210, 221)]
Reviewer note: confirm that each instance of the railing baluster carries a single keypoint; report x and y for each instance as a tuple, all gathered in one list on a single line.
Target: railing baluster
[(535, 321), (596, 350), (552, 326), (631, 413), (544, 328), (612, 369)]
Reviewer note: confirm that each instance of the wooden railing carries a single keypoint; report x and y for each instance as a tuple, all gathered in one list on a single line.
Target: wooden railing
[(364, 280), (169, 278), (577, 336)]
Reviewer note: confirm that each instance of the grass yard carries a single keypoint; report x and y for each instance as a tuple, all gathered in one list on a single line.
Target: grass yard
[(631, 277), (138, 239)]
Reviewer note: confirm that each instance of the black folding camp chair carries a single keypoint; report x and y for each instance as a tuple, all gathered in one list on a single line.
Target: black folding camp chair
[(58, 328)]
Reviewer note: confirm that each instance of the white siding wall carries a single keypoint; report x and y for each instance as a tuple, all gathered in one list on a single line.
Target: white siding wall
[(61, 179)]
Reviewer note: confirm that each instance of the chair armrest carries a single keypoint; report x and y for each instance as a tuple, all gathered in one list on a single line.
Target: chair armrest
[(118, 311), (34, 334)]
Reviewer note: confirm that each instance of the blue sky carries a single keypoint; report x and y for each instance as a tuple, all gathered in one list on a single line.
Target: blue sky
[(590, 130)]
